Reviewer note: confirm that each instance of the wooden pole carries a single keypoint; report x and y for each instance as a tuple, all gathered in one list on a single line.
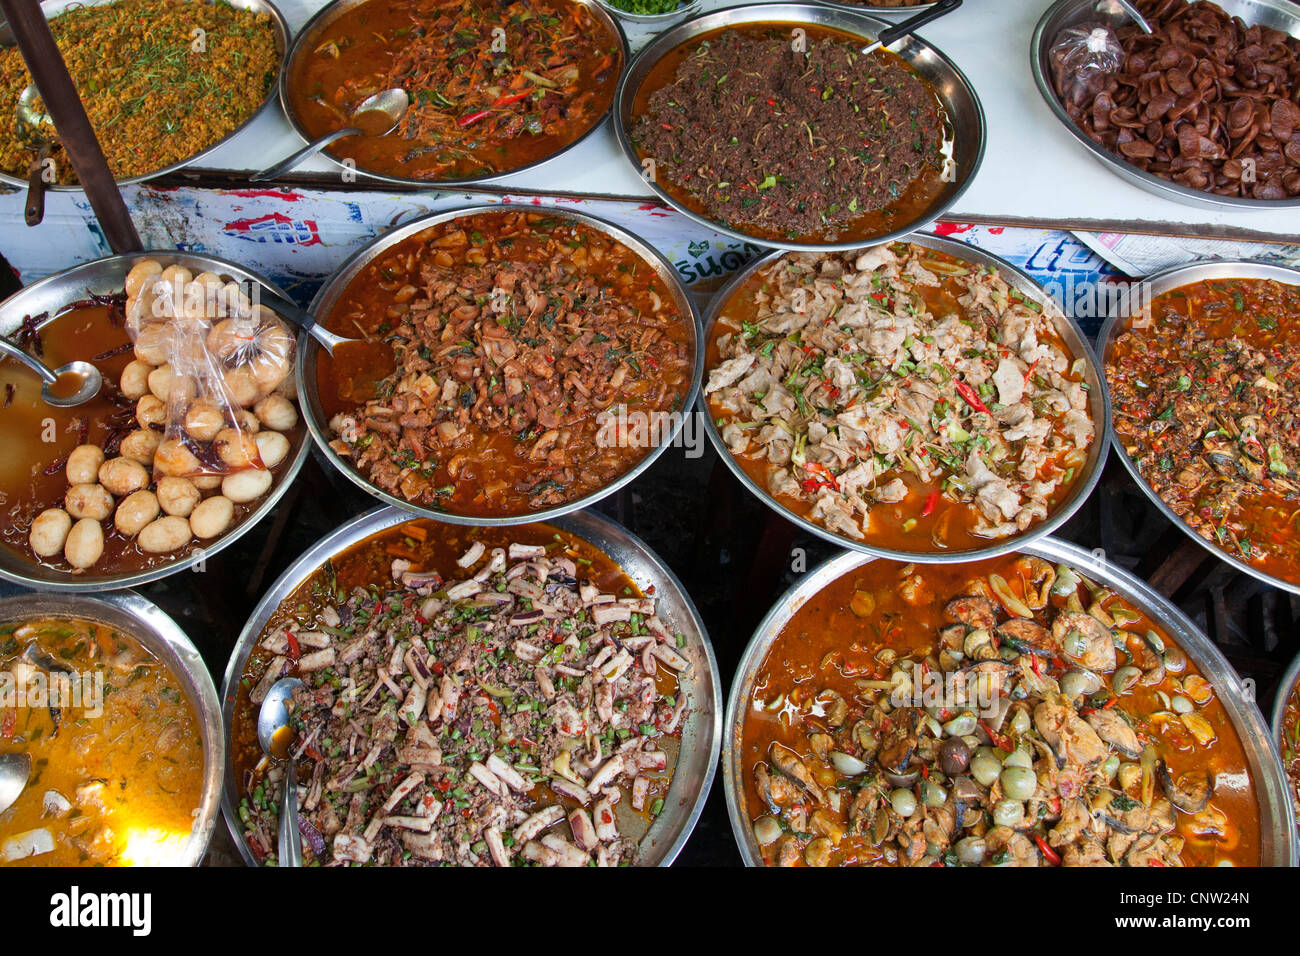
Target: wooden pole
[(50, 73)]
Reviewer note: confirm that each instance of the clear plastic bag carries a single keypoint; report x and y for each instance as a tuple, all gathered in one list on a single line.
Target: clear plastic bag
[(217, 358), (1083, 57)]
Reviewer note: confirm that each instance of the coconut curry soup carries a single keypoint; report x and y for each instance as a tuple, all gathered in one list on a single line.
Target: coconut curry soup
[(117, 762), (1000, 713)]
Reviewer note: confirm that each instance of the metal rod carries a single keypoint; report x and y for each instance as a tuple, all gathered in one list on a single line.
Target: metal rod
[(50, 73)]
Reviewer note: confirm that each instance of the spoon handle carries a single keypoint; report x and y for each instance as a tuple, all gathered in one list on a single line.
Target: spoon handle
[(290, 838), (34, 210), (911, 24), (311, 149), (17, 354), (303, 319)]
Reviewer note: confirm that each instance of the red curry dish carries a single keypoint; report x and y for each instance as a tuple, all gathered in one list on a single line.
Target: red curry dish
[(492, 86), (802, 140), (1290, 745), (1205, 404), (899, 397), (518, 341), (1002, 713)]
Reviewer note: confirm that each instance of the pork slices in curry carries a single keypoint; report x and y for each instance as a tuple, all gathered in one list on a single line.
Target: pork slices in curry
[(899, 396), (519, 339), (1205, 402), (515, 715), (1005, 713)]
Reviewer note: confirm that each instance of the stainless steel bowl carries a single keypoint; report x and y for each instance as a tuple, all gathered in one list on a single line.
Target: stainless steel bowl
[(701, 732), (1277, 831), (967, 130), (1115, 325), (309, 352), (1071, 335), (132, 614), (1286, 688), (1278, 14), (653, 21), (278, 26), (307, 41), (54, 294)]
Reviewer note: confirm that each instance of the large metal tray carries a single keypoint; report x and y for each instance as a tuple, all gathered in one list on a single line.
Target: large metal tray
[(306, 41), (1115, 325), (1075, 341), (1277, 830), (1279, 14), (278, 25), (309, 352), (132, 614), (701, 736), (54, 294), (968, 130)]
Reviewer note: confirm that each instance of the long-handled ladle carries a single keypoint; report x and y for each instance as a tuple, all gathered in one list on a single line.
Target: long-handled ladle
[(277, 738), (387, 108), (72, 384)]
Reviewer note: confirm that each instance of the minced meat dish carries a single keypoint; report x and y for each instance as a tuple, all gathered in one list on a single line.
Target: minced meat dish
[(792, 140)]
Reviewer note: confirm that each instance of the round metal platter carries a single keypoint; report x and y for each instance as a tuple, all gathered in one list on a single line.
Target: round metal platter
[(1277, 831), (54, 294), (132, 614), (1115, 325), (1071, 335), (309, 352), (967, 129), (278, 26), (1278, 14), (701, 736), (307, 40)]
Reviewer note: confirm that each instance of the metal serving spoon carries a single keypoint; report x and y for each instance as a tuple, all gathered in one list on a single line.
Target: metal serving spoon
[(15, 771), (277, 737), (911, 24), (305, 320), (88, 376), (1130, 9), (387, 106)]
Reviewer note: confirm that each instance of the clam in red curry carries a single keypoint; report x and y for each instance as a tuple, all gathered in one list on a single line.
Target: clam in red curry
[(1002, 713)]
